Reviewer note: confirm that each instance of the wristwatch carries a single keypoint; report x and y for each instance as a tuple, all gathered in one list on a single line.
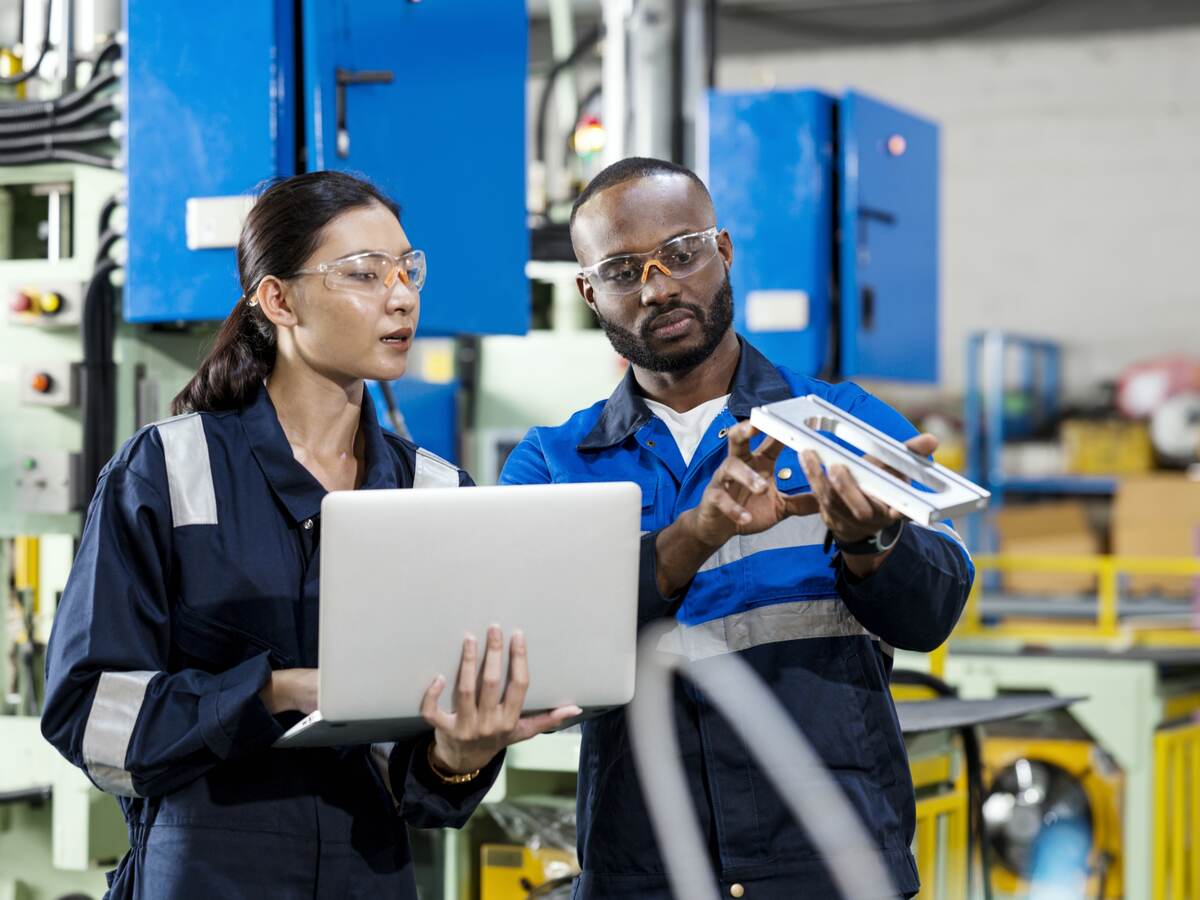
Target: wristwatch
[(882, 540)]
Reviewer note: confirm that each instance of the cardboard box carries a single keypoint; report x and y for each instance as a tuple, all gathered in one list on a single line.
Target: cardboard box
[(1107, 448), (1047, 529), (1157, 515)]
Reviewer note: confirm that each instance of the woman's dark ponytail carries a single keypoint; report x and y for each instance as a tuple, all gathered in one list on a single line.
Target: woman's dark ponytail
[(281, 231)]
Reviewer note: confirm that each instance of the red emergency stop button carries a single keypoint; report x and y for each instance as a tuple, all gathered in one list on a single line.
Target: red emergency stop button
[(42, 383), (22, 303), (51, 304)]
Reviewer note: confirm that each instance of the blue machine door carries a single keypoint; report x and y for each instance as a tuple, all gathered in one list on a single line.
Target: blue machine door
[(428, 101), (889, 242), (771, 178)]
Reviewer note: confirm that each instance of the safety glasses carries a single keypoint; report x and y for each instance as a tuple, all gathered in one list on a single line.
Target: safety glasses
[(677, 258)]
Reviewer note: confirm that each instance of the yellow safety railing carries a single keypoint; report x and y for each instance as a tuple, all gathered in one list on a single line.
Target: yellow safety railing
[(1106, 625), (941, 838), (1176, 853)]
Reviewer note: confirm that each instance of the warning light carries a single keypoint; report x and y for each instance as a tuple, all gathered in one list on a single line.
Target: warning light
[(589, 136), (51, 304), (896, 145), (22, 303), (41, 383)]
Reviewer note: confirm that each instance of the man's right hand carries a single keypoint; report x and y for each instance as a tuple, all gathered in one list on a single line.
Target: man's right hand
[(741, 498)]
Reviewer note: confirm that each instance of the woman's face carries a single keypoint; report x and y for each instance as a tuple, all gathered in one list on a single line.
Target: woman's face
[(354, 328)]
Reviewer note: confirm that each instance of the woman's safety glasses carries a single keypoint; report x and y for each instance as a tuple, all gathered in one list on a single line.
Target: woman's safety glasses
[(677, 258), (374, 272)]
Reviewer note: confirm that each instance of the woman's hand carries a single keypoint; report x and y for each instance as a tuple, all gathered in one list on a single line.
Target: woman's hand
[(485, 722), (290, 689)]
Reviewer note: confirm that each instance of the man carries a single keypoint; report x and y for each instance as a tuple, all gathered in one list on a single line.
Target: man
[(736, 550)]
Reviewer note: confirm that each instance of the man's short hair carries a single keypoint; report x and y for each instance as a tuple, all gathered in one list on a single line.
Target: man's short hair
[(629, 169)]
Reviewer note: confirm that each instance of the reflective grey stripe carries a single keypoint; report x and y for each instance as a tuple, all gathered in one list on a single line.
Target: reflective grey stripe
[(794, 531), (380, 754), (189, 474), (792, 621), (433, 471), (109, 727)]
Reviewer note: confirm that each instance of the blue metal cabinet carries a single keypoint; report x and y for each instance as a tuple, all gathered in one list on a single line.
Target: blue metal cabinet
[(432, 110), (889, 247), (209, 102), (772, 181), (832, 205)]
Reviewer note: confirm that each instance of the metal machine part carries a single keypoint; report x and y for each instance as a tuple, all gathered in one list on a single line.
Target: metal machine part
[(810, 423)]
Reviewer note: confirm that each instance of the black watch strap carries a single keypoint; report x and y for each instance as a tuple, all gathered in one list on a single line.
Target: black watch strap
[(881, 541)]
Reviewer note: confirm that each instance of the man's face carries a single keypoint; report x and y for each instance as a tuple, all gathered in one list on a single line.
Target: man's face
[(669, 324)]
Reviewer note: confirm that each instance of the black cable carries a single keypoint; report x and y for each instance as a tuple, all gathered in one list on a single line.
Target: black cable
[(112, 48), (99, 406), (58, 155), (22, 77), (809, 26), (677, 122), (108, 239), (711, 12), (53, 139), (56, 121), (34, 109), (590, 40)]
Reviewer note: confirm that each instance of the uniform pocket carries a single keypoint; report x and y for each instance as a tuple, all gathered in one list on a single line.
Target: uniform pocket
[(215, 646)]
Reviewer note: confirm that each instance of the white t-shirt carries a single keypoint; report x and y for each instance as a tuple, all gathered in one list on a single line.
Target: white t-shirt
[(688, 428)]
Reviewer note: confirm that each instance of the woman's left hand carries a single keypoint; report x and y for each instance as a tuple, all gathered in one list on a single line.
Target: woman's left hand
[(485, 722)]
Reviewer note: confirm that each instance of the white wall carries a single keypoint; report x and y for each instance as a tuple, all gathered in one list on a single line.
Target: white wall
[(1071, 182)]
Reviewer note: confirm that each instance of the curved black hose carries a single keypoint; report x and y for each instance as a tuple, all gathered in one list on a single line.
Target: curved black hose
[(111, 205), (22, 77), (108, 240), (108, 51), (33, 109), (55, 120), (590, 40), (58, 155), (99, 406), (53, 139)]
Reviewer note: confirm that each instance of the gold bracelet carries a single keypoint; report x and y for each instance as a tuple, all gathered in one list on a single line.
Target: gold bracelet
[(446, 777)]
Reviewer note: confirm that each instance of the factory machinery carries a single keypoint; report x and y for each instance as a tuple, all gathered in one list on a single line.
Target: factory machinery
[(128, 157)]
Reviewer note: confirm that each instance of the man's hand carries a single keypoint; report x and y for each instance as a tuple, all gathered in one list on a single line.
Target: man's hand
[(742, 497), (848, 511)]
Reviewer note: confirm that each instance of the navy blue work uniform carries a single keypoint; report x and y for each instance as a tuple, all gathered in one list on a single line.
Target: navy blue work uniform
[(820, 638), (196, 576)]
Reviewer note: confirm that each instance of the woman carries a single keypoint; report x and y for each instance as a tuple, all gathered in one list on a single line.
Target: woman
[(185, 640)]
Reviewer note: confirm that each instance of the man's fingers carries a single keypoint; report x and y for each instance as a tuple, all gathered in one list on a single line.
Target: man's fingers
[(740, 473), (730, 508), (850, 493), (769, 449), (739, 440), (529, 726), (924, 444), (518, 678)]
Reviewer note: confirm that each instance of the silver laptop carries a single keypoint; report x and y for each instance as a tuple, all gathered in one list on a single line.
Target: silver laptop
[(405, 574)]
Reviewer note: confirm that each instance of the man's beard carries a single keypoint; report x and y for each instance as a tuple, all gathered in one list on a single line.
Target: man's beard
[(713, 324)]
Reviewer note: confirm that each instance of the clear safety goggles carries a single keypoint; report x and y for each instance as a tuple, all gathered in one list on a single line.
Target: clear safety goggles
[(374, 272), (677, 258)]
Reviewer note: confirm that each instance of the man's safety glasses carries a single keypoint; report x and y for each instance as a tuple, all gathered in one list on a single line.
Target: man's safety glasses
[(677, 258)]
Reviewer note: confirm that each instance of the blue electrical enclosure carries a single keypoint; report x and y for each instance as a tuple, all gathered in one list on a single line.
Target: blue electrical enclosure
[(208, 114), (425, 99), (771, 175), (889, 249), (444, 136), (430, 410), (832, 205)]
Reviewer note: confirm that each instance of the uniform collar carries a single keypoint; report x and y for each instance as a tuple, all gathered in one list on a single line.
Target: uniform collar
[(755, 382), (293, 484)]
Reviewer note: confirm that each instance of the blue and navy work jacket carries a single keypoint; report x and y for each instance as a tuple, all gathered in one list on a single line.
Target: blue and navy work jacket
[(821, 639), (196, 576)]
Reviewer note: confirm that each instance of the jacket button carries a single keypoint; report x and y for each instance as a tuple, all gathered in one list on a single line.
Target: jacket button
[(649, 443), (722, 432), (736, 890), (308, 524), (784, 474)]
